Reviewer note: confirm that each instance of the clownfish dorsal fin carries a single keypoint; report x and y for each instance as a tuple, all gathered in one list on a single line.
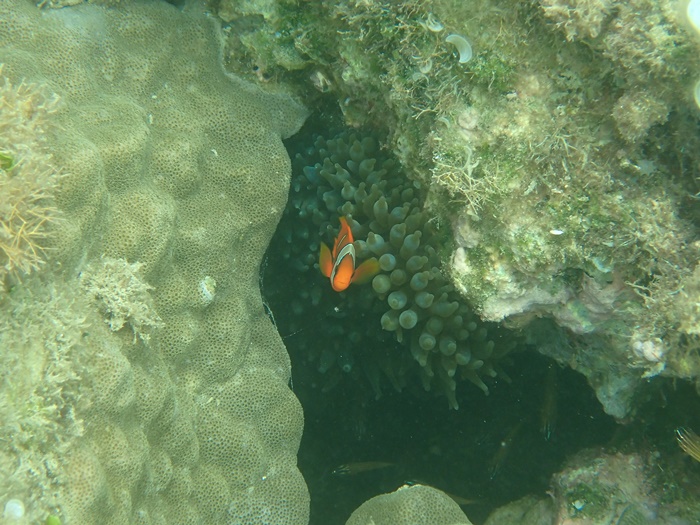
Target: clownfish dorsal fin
[(343, 239)]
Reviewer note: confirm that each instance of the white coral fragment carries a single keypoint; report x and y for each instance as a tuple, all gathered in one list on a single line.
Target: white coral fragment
[(693, 12), (14, 511)]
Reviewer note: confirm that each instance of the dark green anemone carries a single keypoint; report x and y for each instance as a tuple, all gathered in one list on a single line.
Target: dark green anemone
[(409, 321)]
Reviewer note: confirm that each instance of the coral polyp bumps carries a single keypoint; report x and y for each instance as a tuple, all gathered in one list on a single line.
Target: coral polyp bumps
[(409, 321)]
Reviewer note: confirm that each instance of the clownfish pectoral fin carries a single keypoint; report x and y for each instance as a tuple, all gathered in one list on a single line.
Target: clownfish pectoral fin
[(365, 272), (325, 261)]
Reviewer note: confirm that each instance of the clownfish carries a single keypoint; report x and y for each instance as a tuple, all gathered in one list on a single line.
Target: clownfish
[(339, 265)]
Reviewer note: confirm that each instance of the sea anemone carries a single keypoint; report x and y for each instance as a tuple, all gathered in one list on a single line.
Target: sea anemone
[(410, 314)]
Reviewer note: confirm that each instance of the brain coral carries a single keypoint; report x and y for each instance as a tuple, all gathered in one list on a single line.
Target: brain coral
[(173, 179)]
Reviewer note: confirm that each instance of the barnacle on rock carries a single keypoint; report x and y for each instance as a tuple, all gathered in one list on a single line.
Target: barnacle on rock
[(410, 313)]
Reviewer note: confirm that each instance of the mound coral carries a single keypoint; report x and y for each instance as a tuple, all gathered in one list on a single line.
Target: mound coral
[(174, 176), (409, 301), (407, 505)]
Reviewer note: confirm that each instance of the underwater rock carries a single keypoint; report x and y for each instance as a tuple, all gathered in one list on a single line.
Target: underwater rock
[(595, 487)]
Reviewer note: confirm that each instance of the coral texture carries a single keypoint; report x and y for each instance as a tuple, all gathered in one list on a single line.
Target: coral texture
[(173, 178), (409, 505), (596, 487)]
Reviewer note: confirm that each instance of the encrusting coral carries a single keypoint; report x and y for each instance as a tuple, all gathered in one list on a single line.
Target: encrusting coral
[(409, 300), (624, 488)]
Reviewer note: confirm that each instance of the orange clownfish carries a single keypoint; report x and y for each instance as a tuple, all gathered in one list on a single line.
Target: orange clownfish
[(339, 265)]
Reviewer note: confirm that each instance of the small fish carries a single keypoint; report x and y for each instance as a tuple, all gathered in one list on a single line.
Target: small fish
[(548, 410), (459, 500), (503, 450), (350, 469), (689, 442), (339, 265)]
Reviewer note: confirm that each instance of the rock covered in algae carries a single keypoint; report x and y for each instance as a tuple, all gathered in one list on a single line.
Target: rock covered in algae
[(569, 141), (172, 178), (598, 238), (641, 488)]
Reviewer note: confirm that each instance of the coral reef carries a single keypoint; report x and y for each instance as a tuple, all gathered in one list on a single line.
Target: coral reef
[(348, 176), (45, 349), (578, 18), (555, 142), (173, 177), (562, 154)]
